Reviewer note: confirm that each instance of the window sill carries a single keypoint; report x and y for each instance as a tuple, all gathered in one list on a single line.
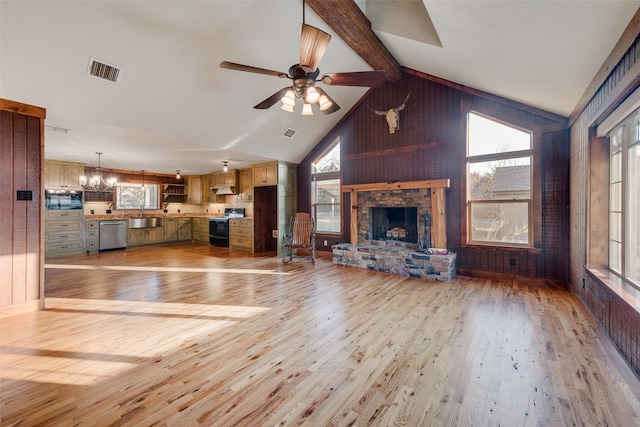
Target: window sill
[(502, 248), (628, 293)]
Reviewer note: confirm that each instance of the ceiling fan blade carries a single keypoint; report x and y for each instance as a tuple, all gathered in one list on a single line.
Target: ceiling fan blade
[(358, 78), (267, 103), (334, 106), (313, 43), (250, 69)]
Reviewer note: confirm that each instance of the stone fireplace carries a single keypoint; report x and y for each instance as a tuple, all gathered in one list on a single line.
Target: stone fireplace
[(400, 216)]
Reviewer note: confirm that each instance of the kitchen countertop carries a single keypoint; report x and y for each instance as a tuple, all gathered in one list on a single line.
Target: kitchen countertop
[(151, 215)]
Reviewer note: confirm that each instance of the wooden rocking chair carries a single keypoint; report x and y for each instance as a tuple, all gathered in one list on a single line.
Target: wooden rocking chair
[(301, 238)]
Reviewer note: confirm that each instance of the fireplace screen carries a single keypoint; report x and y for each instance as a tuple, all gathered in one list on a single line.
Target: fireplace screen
[(394, 224)]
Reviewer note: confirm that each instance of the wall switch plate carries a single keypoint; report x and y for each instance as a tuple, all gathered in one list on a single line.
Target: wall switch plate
[(274, 234), (24, 195), (325, 243)]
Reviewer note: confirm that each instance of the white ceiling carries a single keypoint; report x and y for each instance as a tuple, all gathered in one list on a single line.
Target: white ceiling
[(174, 108)]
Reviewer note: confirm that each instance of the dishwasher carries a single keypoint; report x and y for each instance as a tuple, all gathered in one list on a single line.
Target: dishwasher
[(113, 235)]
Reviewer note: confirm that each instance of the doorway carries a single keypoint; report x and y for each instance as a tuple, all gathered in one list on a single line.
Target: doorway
[(265, 213)]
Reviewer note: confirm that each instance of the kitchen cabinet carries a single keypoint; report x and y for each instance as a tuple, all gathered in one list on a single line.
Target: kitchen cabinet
[(245, 185), (170, 232), (144, 236), (208, 196), (200, 229), (241, 233), (64, 233), (62, 175), (194, 192), (92, 234), (173, 193), (184, 229), (265, 174)]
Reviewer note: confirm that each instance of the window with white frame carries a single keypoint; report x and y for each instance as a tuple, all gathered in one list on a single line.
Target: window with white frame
[(499, 165), (137, 196), (326, 195), (624, 199)]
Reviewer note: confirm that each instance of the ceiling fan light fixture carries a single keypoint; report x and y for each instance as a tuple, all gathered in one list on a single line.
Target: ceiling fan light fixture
[(312, 95), (324, 103), (306, 110), (287, 108), (289, 98)]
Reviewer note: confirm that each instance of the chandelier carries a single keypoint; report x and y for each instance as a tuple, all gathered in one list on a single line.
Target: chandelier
[(97, 182)]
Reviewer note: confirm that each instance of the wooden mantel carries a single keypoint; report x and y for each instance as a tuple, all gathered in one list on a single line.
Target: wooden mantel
[(438, 203)]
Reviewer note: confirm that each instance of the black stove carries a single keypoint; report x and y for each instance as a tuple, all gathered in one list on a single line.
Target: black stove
[(219, 226)]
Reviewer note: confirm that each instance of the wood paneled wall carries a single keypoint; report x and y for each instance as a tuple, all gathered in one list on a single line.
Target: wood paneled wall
[(431, 144), (21, 157), (614, 307)]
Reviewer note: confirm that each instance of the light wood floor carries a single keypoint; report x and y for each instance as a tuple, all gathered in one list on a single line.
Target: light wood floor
[(192, 335)]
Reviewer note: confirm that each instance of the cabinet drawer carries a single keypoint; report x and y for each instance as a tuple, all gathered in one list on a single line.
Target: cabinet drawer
[(76, 214), (241, 232), (241, 243), (201, 237), (63, 236), (64, 247), (63, 225), (92, 245), (92, 234), (92, 225)]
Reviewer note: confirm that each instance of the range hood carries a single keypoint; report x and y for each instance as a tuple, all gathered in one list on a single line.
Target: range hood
[(222, 190)]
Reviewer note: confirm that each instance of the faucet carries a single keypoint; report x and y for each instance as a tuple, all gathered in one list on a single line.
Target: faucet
[(141, 210)]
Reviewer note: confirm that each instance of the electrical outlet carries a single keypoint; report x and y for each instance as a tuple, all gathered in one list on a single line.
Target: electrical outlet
[(274, 234), (512, 262), (325, 243)]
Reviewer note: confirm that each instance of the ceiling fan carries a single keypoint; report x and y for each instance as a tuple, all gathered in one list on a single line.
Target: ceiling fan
[(313, 43)]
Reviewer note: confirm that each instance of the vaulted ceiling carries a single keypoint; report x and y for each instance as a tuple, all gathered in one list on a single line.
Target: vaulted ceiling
[(173, 107)]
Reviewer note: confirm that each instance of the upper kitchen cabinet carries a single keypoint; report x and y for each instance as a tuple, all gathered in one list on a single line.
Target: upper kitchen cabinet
[(245, 185), (207, 196), (226, 178), (194, 189), (265, 174), (60, 175)]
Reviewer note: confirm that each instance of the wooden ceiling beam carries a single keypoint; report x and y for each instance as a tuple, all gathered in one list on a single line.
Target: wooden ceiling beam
[(348, 21)]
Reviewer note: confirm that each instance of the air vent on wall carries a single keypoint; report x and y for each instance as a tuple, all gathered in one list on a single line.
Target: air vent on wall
[(289, 133), (103, 71)]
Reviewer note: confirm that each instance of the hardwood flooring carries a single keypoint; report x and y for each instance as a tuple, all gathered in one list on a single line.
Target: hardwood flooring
[(194, 335)]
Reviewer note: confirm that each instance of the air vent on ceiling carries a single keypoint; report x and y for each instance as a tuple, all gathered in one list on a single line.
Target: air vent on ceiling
[(289, 133), (103, 71)]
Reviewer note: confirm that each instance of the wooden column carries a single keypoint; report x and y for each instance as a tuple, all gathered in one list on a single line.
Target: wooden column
[(438, 218), (21, 220)]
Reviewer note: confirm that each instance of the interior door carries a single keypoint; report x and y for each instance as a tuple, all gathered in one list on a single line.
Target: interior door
[(265, 218)]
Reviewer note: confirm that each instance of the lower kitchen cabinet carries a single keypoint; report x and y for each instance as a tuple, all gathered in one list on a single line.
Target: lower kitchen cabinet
[(241, 233), (200, 228), (92, 233), (144, 236), (184, 229), (170, 226), (64, 232)]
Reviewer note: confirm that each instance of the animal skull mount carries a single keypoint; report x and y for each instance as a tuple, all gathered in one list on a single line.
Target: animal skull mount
[(392, 115)]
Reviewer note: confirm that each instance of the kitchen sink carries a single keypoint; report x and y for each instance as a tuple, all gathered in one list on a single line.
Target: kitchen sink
[(145, 222)]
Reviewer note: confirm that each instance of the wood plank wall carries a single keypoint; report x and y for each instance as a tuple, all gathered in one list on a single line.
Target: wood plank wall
[(617, 312), (431, 145), (21, 154)]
